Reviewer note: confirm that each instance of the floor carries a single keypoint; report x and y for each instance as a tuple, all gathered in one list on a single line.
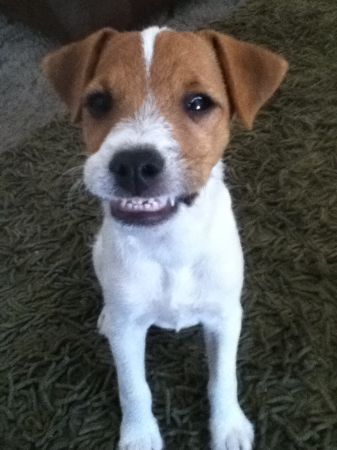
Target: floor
[(27, 102)]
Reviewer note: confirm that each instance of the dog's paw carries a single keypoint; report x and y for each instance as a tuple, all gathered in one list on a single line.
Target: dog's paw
[(232, 432), (144, 436)]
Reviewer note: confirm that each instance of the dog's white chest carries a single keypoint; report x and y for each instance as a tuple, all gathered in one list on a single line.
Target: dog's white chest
[(178, 306)]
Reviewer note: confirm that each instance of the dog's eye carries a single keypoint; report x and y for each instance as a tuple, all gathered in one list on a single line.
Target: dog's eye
[(99, 104), (198, 103)]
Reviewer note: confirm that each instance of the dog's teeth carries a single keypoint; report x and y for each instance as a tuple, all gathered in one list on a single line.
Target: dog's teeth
[(146, 204), (162, 201)]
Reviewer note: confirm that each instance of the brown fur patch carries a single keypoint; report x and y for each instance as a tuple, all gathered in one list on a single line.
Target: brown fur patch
[(185, 63), (252, 73), (121, 71), (105, 60)]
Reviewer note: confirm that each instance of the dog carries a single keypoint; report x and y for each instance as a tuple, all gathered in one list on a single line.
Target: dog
[(155, 108)]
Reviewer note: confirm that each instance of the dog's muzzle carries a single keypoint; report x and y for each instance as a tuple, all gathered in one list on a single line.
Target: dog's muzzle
[(138, 173)]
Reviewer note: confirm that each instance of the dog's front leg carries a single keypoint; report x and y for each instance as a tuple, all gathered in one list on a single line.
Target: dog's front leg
[(139, 429), (230, 429)]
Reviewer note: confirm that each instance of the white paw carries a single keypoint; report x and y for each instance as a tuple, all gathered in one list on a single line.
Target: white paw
[(232, 432), (140, 436)]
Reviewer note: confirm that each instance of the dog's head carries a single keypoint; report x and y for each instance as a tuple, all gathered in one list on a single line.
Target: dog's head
[(155, 108)]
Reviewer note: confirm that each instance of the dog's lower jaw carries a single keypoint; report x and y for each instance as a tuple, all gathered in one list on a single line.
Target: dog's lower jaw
[(147, 211)]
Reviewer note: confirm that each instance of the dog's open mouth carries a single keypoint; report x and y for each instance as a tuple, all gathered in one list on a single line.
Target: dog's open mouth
[(147, 211)]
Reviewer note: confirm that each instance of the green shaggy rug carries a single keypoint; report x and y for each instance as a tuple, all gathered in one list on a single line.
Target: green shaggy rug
[(57, 383)]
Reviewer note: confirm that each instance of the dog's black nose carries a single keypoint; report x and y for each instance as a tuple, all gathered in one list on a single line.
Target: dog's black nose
[(136, 170)]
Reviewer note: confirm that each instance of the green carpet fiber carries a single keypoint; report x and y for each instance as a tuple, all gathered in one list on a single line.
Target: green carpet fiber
[(57, 382)]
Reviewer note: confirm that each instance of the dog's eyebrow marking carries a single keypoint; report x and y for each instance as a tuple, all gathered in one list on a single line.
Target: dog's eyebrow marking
[(148, 39)]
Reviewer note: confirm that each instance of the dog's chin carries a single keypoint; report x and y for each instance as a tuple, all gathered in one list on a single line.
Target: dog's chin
[(148, 211)]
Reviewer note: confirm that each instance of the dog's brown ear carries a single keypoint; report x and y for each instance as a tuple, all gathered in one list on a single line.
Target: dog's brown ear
[(70, 68), (251, 73)]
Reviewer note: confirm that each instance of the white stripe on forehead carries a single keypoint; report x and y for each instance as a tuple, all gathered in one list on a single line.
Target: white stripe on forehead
[(149, 36)]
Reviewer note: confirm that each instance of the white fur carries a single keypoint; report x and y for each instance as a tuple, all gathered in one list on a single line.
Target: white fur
[(186, 271), (165, 274), (149, 36)]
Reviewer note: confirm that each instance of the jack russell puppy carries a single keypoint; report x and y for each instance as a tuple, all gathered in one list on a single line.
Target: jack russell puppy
[(155, 108)]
